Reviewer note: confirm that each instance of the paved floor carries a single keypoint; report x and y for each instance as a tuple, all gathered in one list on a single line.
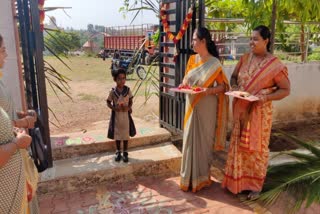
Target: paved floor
[(144, 196)]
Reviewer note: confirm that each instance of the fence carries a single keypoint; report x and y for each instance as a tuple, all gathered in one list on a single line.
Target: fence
[(130, 30), (288, 46)]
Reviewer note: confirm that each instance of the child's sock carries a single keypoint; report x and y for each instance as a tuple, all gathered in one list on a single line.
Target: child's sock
[(118, 145), (125, 153), (118, 152), (125, 145)]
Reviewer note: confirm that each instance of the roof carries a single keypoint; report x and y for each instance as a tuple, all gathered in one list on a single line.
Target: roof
[(89, 44)]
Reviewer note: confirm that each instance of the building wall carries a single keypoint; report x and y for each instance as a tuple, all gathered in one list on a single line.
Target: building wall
[(11, 69), (304, 100)]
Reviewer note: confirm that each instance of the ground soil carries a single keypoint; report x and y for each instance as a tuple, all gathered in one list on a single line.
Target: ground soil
[(89, 89), (88, 108), (90, 84), (306, 130)]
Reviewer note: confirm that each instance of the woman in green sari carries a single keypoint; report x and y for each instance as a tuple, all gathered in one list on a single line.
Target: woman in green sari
[(205, 118)]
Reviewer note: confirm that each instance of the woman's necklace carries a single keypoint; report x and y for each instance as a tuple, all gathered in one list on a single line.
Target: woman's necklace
[(258, 66), (204, 58)]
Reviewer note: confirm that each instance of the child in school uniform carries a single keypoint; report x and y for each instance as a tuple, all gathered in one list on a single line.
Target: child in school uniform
[(121, 125)]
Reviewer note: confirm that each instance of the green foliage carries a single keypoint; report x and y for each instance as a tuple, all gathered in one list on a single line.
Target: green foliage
[(137, 6), (156, 37), (225, 9), (299, 179), (61, 42), (315, 55)]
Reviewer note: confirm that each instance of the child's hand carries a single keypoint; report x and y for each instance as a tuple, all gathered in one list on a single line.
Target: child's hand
[(117, 108)]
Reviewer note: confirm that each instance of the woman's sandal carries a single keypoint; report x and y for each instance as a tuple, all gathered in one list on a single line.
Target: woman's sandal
[(253, 195)]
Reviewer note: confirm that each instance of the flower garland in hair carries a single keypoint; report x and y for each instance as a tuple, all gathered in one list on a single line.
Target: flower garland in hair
[(183, 28)]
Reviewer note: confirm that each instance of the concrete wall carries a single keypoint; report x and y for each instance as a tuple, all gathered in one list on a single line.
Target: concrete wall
[(304, 100), (11, 74)]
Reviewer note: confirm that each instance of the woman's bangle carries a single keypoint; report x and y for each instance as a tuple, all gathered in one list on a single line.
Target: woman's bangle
[(27, 122), (14, 141), (234, 86)]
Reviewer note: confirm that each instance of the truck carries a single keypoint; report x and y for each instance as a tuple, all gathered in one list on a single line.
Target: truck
[(129, 39)]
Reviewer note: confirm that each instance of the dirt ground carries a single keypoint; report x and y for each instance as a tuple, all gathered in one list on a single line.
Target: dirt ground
[(89, 106), (91, 82), (89, 88)]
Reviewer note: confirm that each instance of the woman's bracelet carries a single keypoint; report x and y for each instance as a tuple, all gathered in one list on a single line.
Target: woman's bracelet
[(14, 141), (27, 122)]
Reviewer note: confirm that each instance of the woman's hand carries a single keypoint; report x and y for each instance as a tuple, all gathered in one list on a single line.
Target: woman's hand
[(32, 113), (234, 88), (22, 140), (262, 98), (184, 83), (30, 121)]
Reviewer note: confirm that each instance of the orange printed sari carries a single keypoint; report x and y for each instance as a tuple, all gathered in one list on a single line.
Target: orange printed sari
[(249, 153), (205, 123)]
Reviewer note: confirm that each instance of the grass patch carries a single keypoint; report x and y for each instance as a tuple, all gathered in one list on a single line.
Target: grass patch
[(88, 97), (83, 68)]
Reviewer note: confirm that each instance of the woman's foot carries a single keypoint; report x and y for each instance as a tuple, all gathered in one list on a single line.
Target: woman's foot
[(118, 156), (125, 157), (253, 195)]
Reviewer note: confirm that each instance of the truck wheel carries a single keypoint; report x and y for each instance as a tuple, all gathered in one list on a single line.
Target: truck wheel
[(141, 72)]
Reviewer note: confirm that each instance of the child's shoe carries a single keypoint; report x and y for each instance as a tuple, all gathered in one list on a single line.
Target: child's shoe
[(125, 157), (118, 156)]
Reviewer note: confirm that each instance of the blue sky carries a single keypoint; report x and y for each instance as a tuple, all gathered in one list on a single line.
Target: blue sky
[(96, 12)]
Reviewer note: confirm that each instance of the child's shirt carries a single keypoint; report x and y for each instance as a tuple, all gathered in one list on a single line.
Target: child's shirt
[(120, 98)]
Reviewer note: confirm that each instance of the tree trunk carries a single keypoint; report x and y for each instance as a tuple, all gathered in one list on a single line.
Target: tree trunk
[(273, 25), (302, 45)]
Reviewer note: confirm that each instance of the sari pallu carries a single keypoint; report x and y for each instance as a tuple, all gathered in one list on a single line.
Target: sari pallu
[(13, 197), (204, 123), (248, 153), (6, 102)]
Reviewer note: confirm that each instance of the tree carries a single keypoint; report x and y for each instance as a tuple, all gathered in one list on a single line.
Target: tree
[(299, 10), (90, 28), (99, 28), (61, 42), (225, 9)]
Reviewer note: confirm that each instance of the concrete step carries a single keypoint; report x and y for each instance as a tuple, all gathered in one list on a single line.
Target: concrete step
[(81, 173), (91, 142)]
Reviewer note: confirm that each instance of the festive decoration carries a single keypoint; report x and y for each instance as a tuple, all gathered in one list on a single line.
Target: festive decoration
[(41, 13), (183, 28)]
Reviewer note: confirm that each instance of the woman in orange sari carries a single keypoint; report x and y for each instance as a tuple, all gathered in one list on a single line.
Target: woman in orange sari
[(263, 75), (206, 113)]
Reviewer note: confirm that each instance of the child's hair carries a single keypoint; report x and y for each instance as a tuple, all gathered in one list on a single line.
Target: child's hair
[(119, 71)]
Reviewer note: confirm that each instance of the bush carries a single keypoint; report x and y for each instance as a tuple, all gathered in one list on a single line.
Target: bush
[(315, 56)]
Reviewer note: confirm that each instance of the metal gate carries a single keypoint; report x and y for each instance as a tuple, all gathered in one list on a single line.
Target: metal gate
[(171, 73), (32, 53)]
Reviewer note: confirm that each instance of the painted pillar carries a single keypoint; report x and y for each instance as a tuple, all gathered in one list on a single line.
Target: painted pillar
[(12, 75)]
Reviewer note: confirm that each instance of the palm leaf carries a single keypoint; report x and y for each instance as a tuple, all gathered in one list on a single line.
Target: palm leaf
[(299, 179), (53, 53), (306, 145), (46, 9), (55, 117)]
